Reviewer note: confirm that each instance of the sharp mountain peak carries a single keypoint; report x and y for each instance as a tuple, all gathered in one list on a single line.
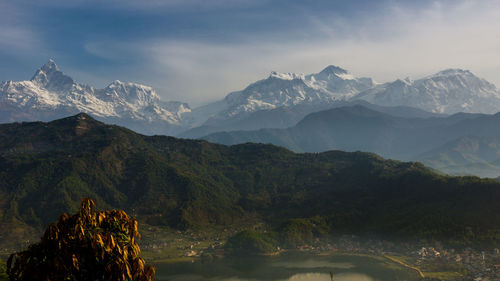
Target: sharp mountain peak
[(333, 69)]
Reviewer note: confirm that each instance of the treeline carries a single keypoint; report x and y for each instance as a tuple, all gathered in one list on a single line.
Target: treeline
[(306, 231), (290, 234)]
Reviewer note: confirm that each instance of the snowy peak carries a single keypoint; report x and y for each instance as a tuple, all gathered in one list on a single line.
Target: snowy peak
[(279, 89), (452, 72), (285, 76), (43, 75), (332, 69), (286, 90), (459, 78), (402, 82), (49, 76), (51, 94), (455, 76), (335, 72), (338, 82), (448, 91), (49, 67), (133, 93)]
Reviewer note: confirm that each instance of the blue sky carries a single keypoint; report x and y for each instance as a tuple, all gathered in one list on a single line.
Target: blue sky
[(199, 50)]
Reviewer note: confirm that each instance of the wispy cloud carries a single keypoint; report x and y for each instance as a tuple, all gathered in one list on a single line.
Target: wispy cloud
[(402, 41), (15, 38), (146, 5), (15, 33), (197, 51)]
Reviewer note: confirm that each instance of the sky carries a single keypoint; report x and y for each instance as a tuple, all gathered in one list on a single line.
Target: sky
[(198, 51)]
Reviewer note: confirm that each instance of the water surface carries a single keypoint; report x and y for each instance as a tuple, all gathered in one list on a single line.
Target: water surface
[(291, 267)]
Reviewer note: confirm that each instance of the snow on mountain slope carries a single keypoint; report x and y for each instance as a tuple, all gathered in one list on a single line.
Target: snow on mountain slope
[(449, 91), (284, 90), (50, 93), (338, 82)]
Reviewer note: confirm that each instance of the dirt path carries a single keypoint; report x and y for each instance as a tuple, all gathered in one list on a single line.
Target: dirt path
[(406, 265)]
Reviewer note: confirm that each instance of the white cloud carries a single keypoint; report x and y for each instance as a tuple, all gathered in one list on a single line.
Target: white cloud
[(397, 43), (145, 5), (15, 38), (15, 34)]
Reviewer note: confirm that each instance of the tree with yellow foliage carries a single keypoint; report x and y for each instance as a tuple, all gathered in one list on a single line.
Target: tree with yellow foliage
[(90, 245), (3, 274)]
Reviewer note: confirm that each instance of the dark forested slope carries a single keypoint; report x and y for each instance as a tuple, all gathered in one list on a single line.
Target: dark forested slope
[(46, 168)]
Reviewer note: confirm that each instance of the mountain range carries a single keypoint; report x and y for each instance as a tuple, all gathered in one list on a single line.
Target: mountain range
[(462, 143), (404, 119), (279, 101), (449, 92), (284, 90), (46, 168), (50, 94)]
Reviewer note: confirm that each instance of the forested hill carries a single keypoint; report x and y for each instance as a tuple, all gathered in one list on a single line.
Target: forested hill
[(46, 168)]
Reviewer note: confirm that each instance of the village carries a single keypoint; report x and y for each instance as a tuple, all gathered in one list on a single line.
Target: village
[(435, 262), (432, 261)]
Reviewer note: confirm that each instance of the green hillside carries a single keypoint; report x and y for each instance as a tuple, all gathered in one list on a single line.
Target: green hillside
[(468, 155), (46, 168), (461, 144)]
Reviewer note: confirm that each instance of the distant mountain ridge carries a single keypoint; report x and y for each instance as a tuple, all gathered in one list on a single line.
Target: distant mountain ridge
[(358, 128), (465, 156), (284, 117)]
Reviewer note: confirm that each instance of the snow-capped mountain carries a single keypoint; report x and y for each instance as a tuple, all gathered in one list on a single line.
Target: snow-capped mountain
[(449, 91), (338, 82), (278, 101), (284, 90), (51, 94)]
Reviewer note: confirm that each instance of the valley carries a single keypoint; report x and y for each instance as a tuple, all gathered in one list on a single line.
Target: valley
[(191, 196), (236, 140)]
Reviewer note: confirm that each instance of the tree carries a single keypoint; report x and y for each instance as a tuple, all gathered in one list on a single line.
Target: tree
[(251, 242), (3, 274), (90, 245)]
